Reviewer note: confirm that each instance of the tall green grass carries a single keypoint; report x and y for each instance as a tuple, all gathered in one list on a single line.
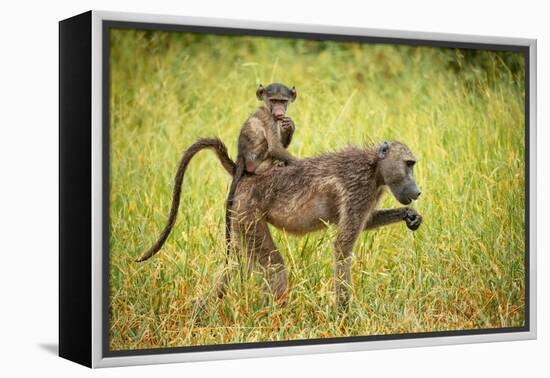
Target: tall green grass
[(463, 117)]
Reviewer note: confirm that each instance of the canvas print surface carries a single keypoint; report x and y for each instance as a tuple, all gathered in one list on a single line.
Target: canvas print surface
[(453, 121)]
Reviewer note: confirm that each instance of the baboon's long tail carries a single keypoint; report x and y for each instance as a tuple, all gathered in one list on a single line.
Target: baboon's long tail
[(221, 151)]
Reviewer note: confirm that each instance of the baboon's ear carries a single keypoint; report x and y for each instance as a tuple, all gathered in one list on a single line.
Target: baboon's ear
[(383, 150), (260, 92), (293, 94)]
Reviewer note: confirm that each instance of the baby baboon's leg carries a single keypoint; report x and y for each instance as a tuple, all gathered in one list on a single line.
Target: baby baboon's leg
[(262, 249), (349, 229), (263, 167)]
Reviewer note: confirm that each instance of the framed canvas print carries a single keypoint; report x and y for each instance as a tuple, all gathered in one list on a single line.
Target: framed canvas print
[(235, 189)]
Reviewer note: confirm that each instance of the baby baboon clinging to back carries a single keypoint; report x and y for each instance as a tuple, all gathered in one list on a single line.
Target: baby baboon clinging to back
[(266, 134), (263, 139)]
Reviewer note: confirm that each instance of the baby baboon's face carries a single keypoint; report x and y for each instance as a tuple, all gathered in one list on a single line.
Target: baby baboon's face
[(396, 163), (276, 98)]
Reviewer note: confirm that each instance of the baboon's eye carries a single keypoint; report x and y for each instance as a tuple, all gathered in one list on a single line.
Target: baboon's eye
[(410, 163)]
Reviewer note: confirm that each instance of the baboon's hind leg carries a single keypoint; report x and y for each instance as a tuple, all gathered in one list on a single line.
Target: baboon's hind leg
[(223, 281), (261, 248), (228, 269)]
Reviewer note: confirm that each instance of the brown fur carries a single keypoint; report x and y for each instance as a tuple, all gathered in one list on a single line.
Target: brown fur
[(263, 140), (341, 188)]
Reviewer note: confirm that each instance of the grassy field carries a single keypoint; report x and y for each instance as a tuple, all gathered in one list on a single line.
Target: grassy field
[(462, 114)]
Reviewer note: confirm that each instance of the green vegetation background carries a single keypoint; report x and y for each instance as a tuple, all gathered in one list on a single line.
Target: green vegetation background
[(460, 111)]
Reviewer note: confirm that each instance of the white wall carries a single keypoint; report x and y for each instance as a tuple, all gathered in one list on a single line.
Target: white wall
[(28, 158)]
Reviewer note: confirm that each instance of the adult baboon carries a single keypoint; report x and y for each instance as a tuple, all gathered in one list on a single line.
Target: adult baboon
[(341, 188)]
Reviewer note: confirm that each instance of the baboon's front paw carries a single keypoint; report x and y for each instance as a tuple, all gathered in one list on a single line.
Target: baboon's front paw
[(413, 219)]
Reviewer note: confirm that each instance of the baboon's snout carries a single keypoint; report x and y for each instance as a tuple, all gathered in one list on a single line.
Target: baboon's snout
[(412, 193)]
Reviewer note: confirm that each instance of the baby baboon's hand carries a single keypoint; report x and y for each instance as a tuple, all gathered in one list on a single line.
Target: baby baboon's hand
[(287, 124), (413, 219)]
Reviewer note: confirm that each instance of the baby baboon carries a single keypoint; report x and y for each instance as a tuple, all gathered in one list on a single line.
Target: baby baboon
[(341, 188), (267, 133), (263, 139)]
